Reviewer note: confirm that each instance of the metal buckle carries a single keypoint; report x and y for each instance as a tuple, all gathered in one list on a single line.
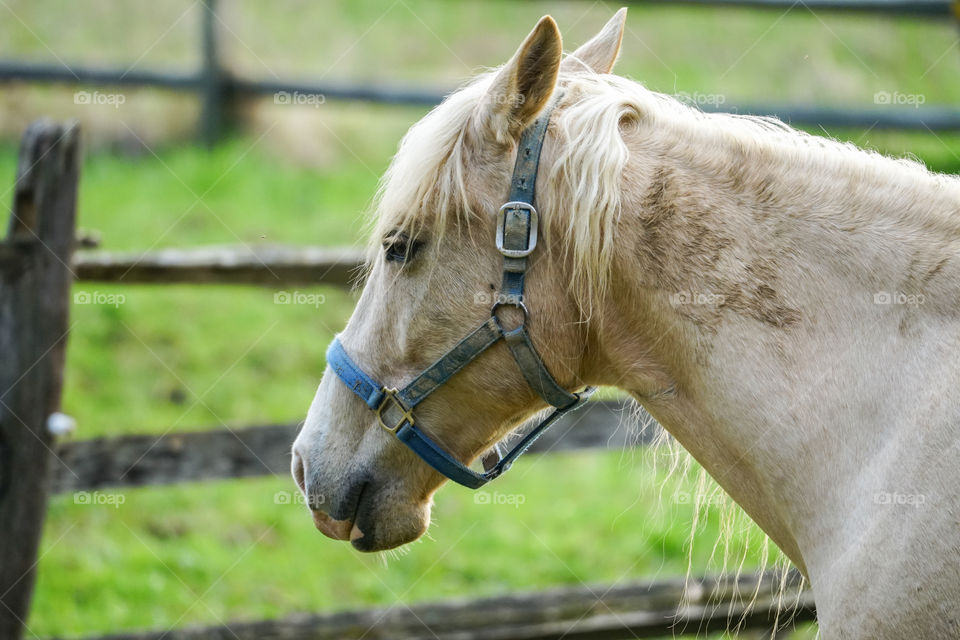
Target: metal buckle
[(390, 395), (534, 222)]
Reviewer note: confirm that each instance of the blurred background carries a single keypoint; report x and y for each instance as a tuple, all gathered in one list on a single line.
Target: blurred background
[(182, 358)]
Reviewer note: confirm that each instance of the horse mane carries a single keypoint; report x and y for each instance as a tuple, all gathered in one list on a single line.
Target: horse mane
[(426, 180), (579, 195)]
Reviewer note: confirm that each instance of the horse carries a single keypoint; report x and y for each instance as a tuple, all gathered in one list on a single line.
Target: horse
[(786, 306)]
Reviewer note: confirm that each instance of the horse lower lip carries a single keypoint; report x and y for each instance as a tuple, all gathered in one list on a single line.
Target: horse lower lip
[(341, 529), (335, 529)]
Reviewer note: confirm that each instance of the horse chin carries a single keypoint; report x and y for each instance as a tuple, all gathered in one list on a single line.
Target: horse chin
[(388, 526), (377, 526)]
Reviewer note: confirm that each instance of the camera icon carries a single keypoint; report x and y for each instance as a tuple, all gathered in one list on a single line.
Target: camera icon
[(882, 297), (282, 97), (882, 97), (481, 498), (82, 497), (82, 297), (683, 497), (81, 97), (282, 297), (281, 497)]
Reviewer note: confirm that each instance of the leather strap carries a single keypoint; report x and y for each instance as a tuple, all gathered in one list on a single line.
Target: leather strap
[(535, 372), (517, 229), (465, 352), (518, 223), (369, 390), (425, 447), (439, 459)]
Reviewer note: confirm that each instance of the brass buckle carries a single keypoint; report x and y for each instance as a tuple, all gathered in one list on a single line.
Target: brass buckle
[(390, 395)]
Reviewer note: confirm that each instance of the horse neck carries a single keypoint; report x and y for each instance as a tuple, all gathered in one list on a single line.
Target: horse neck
[(771, 301)]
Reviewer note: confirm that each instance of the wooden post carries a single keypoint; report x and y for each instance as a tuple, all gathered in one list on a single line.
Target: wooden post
[(213, 79), (34, 303)]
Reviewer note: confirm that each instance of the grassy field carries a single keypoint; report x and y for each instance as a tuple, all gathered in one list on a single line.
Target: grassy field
[(184, 358)]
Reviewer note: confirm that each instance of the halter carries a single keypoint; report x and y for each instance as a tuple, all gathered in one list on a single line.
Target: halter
[(516, 238)]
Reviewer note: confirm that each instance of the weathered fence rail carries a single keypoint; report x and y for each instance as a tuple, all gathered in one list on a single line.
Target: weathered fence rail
[(276, 266), (915, 8), (217, 88), (598, 612), (137, 460), (634, 610)]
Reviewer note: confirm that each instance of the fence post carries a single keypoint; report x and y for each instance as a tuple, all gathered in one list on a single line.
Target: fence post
[(34, 303), (213, 79)]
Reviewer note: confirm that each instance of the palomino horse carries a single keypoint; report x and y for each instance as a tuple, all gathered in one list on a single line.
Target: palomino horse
[(786, 306)]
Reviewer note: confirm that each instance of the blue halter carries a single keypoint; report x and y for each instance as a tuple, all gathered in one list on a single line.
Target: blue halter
[(517, 223)]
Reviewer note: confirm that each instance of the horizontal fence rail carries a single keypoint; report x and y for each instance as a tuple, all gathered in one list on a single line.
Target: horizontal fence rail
[(668, 608), (216, 87), (258, 265), (916, 8), (933, 118), (80, 75), (138, 460)]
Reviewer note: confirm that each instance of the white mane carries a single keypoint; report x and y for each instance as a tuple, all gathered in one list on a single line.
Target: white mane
[(579, 194)]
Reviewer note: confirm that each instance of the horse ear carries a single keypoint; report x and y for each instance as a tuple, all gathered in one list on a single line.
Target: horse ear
[(600, 53), (524, 85)]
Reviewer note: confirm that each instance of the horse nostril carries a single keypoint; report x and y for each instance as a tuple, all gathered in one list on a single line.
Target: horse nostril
[(296, 466)]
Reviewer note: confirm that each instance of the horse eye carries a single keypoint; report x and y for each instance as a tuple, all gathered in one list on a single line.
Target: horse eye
[(398, 247)]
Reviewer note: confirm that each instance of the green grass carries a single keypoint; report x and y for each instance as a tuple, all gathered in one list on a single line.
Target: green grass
[(166, 557), (184, 358)]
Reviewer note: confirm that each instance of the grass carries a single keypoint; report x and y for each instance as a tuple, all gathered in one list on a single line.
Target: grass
[(184, 358), (166, 557)]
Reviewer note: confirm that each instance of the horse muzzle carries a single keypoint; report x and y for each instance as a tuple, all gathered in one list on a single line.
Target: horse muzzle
[(372, 516)]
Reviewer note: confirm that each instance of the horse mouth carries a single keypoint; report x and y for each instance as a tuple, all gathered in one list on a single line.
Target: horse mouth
[(346, 528), (375, 525)]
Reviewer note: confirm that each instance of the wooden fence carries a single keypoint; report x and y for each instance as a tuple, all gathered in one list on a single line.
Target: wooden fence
[(217, 88), (36, 263)]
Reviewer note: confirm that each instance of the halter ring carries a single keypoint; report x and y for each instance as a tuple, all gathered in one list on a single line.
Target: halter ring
[(517, 304)]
